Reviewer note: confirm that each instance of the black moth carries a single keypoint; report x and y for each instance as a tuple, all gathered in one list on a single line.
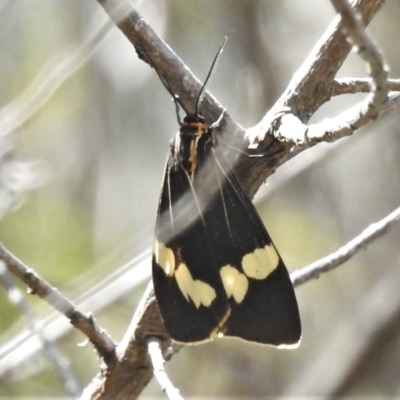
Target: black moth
[(216, 271)]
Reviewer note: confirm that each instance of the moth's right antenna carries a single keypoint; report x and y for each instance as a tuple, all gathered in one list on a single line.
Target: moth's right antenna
[(216, 58)]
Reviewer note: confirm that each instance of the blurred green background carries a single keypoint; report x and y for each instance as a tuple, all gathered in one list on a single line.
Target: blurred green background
[(79, 186)]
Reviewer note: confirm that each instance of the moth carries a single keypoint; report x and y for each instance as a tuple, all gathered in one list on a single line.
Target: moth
[(216, 271)]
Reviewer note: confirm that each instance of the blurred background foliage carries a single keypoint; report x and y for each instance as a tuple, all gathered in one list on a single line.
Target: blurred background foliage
[(79, 186)]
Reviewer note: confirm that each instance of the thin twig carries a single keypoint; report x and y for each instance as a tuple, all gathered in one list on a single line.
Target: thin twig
[(374, 231), (125, 279), (359, 85), (157, 360), (85, 323), (60, 362), (347, 122)]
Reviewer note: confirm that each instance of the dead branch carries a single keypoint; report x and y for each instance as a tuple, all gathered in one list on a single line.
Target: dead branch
[(360, 242), (359, 85), (157, 360), (38, 286), (360, 115), (59, 361)]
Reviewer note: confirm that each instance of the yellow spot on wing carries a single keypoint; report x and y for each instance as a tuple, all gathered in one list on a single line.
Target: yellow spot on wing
[(201, 293), (164, 258), (235, 283), (260, 263)]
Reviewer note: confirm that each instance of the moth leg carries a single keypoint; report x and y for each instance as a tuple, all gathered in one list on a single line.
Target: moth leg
[(218, 121)]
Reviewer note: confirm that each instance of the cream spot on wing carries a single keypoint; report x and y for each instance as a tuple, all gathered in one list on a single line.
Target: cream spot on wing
[(201, 293), (260, 263), (235, 283), (164, 257)]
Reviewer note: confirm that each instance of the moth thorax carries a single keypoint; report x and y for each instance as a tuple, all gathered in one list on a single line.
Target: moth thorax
[(189, 144)]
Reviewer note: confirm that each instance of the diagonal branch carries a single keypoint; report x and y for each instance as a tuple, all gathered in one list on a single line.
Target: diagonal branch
[(58, 360), (360, 242), (171, 69), (85, 323)]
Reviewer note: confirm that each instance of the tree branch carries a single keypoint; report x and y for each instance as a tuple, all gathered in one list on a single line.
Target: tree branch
[(358, 116), (360, 242), (38, 286), (359, 85), (157, 360), (155, 52), (58, 360), (283, 128)]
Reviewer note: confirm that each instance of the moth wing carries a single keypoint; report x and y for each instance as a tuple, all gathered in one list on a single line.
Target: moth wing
[(186, 278), (261, 296)]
